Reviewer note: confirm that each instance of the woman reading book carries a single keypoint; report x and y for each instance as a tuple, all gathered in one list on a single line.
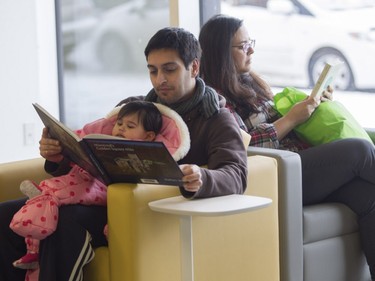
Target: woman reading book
[(340, 171), (137, 120)]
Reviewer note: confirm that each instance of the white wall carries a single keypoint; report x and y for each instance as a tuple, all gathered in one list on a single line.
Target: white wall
[(28, 74)]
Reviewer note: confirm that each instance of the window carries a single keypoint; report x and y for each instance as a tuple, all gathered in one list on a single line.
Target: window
[(295, 38), (103, 43), (102, 58)]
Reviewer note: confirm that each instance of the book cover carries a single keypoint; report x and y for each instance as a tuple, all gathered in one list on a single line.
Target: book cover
[(326, 78), (135, 161), (113, 159)]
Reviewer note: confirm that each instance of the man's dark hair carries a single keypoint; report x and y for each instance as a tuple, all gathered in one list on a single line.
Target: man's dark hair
[(177, 39), (148, 114)]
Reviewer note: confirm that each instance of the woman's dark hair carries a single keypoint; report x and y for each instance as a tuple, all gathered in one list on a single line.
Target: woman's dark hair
[(148, 114), (177, 39), (218, 68)]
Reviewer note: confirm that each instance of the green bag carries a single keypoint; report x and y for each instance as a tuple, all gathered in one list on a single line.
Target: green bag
[(330, 120)]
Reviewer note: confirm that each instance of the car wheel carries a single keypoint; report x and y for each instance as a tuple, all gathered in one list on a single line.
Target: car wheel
[(113, 53), (344, 79)]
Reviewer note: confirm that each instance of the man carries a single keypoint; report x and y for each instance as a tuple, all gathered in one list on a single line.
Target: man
[(173, 56), (173, 59)]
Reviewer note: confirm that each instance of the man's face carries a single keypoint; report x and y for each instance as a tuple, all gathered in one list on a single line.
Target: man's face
[(169, 77)]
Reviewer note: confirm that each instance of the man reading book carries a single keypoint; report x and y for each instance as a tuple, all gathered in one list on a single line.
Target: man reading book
[(173, 59)]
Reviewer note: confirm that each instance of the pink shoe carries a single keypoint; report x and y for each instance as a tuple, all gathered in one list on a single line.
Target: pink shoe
[(28, 261), (30, 188)]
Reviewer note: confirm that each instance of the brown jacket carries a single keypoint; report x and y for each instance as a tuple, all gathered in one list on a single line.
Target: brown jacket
[(216, 143)]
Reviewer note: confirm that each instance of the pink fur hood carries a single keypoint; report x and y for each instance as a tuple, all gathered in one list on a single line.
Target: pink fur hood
[(174, 133)]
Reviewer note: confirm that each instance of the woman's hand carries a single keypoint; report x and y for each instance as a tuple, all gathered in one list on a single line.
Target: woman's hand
[(298, 114), (302, 111), (327, 94), (50, 149), (192, 177)]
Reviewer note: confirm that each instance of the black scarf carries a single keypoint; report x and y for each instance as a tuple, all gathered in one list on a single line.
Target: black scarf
[(205, 99)]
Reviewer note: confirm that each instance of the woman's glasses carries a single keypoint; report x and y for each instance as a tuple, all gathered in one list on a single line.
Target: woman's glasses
[(245, 47)]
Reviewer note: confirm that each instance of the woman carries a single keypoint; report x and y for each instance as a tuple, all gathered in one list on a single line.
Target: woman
[(226, 66)]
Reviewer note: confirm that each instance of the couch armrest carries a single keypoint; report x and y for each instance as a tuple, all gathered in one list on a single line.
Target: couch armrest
[(145, 245), (371, 133), (290, 211), (11, 175)]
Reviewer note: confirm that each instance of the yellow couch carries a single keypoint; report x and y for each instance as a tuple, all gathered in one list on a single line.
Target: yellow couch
[(145, 246)]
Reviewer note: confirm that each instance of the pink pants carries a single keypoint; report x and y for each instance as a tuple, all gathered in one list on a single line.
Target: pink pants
[(38, 217), (32, 275)]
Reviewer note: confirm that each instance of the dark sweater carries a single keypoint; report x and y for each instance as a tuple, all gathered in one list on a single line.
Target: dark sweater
[(216, 143)]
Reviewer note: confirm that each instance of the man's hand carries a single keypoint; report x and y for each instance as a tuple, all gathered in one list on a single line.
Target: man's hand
[(192, 177)]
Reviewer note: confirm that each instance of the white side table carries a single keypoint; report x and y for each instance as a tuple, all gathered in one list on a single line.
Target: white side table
[(215, 206)]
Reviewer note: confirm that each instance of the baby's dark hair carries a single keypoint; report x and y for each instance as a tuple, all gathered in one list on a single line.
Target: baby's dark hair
[(148, 114)]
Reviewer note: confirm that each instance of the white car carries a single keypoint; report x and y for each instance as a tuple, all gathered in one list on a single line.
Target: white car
[(120, 37), (295, 37), (78, 18)]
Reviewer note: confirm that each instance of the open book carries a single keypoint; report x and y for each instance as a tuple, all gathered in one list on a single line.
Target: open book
[(326, 78), (113, 159)]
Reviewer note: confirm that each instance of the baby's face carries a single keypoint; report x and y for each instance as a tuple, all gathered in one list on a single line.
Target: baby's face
[(130, 128)]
